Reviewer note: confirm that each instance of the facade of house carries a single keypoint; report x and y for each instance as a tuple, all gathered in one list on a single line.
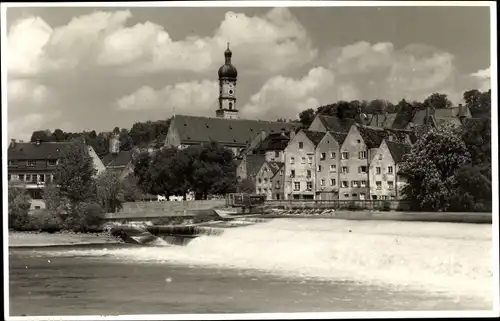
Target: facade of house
[(32, 165), (327, 168), (385, 182), (300, 165), (270, 180)]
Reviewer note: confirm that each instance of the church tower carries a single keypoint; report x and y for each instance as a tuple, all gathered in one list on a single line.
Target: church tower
[(227, 88)]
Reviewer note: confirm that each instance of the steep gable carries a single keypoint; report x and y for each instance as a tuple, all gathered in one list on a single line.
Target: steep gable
[(371, 136), (397, 150), (335, 124)]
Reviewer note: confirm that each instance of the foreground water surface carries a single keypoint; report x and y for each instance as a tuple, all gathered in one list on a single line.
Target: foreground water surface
[(284, 265)]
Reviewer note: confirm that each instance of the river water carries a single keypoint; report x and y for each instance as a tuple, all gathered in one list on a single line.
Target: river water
[(283, 265)]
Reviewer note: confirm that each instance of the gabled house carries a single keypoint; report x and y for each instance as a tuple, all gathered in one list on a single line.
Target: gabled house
[(32, 165), (327, 168), (324, 123), (270, 180), (436, 117), (385, 182), (359, 147), (117, 160), (300, 165)]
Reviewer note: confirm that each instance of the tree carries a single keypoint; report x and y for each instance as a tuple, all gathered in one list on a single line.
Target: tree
[(431, 166), (75, 172), (41, 135), (479, 103), (246, 186), (437, 101), (110, 193), (306, 117), (58, 135), (19, 206)]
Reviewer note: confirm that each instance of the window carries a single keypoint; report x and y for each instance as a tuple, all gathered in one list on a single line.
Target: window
[(374, 197), (52, 162), (322, 182), (323, 156), (21, 177), (301, 145), (303, 160), (258, 191), (390, 170), (333, 182), (310, 160), (345, 184), (379, 156), (333, 155), (362, 196), (265, 169), (333, 168), (319, 168), (346, 195), (277, 184), (31, 163), (354, 195), (281, 172), (362, 155), (390, 184), (379, 184), (378, 170), (292, 173), (292, 160), (359, 141), (265, 180), (265, 190), (296, 186), (393, 197), (345, 169), (28, 177), (309, 186), (354, 183), (363, 183), (42, 178), (34, 178), (362, 169), (309, 174), (260, 180), (345, 155)]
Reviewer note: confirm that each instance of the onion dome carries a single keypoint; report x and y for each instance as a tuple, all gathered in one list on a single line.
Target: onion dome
[(228, 70)]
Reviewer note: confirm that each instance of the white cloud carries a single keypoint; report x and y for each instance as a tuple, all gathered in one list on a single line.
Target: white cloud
[(272, 43), (483, 78), (192, 98)]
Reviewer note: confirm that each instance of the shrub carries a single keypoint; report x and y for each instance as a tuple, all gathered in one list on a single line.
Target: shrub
[(352, 206), (86, 217), (19, 206), (386, 205)]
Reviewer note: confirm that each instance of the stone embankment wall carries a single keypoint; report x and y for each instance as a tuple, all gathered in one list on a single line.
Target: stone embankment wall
[(167, 208), (388, 205)]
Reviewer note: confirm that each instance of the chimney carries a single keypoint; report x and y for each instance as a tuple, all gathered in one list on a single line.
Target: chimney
[(12, 143), (114, 144), (427, 115), (462, 111)]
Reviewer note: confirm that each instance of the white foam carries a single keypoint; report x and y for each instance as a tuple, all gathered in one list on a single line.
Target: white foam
[(437, 257)]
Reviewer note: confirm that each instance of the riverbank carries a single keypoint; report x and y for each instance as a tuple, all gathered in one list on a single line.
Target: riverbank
[(37, 239)]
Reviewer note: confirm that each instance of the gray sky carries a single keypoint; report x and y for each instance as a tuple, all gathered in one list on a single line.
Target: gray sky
[(97, 68)]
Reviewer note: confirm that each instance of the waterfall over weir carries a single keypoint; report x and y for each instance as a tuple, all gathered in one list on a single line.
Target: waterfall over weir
[(450, 258)]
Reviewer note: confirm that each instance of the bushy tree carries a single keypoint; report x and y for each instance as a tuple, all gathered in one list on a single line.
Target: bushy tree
[(74, 174), (306, 117), (110, 192), (19, 206), (437, 101), (431, 168)]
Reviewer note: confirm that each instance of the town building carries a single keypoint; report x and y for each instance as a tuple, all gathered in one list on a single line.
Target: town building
[(226, 128), (300, 165), (119, 161), (32, 166), (327, 169), (270, 180)]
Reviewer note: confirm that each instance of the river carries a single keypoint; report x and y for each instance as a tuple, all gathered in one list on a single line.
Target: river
[(283, 265)]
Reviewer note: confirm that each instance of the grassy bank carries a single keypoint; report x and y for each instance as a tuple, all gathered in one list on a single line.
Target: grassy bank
[(24, 239)]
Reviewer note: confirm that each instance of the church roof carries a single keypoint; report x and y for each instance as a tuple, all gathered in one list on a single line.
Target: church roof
[(229, 132)]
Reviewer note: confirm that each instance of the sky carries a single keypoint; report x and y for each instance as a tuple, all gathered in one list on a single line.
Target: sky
[(84, 68)]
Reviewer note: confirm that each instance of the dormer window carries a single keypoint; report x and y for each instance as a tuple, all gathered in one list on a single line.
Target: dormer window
[(31, 163), (52, 162)]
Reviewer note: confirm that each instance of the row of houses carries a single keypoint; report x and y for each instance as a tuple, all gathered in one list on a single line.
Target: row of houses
[(338, 159)]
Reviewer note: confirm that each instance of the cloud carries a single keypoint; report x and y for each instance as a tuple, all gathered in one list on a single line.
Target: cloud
[(365, 71), (191, 98), (271, 43), (483, 78), (283, 97)]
